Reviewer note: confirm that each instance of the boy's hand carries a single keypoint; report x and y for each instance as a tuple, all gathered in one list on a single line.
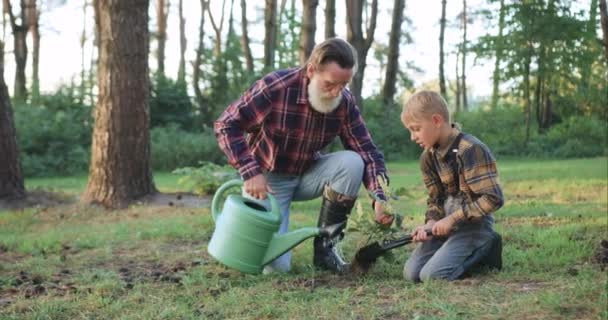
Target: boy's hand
[(381, 217), (419, 234), (444, 226)]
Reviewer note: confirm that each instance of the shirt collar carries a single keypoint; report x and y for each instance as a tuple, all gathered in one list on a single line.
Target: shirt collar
[(442, 150)]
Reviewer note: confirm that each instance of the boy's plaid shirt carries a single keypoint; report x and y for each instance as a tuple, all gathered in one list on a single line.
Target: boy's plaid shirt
[(478, 177), (285, 135)]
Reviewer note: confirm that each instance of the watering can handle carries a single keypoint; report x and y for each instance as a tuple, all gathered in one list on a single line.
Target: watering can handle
[(215, 203)]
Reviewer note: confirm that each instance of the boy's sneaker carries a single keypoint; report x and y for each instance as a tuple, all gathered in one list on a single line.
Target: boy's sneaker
[(494, 257)]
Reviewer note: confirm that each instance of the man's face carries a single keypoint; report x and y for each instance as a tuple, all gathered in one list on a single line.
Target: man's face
[(326, 84), (331, 78)]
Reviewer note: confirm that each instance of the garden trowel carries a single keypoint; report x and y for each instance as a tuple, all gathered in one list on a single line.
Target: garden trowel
[(367, 256)]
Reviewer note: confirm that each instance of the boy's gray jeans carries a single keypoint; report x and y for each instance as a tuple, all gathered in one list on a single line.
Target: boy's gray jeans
[(449, 258), (342, 171)]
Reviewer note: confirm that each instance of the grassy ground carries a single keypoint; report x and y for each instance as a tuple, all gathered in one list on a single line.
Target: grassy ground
[(76, 262)]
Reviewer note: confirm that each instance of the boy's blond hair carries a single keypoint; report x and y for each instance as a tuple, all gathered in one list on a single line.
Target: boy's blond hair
[(423, 104)]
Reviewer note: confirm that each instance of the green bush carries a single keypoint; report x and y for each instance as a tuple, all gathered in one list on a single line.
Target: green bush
[(170, 103), (576, 137), (174, 148), (384, 124), (55, 136), (206, 178)]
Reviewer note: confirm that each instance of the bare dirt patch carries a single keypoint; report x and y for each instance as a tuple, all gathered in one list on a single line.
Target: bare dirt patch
[(183, 200), (37, 198)]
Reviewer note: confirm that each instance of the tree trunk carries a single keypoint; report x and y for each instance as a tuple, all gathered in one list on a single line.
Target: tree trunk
[(162, 12), (270, 38), (604, 21), (330, 19), (196, 68), (120, 157), (538, 90), (499, 50), (458, 93), (354, 13), (83, 41), (11, 178), (217, 49), (20, 49), (34, 17), (309, 28), (527, 105), (442, 87), (465, 102), (392, 65), (181, 72), (245, 39)]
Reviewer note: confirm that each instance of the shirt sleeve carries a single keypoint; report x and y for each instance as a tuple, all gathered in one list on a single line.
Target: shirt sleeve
[(481, 177), (243, 115), (436, 192), (356, 137)]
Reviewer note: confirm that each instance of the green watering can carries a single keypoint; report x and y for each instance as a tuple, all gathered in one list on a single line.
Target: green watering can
[(245, 236)]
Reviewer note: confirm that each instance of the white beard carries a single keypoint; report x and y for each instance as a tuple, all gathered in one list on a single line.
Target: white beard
[(319, 101)]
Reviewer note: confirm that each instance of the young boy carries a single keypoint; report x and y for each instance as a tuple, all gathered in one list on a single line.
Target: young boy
[(460, 174)]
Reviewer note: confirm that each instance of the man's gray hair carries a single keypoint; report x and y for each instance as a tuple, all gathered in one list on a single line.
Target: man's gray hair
[(334, 50)]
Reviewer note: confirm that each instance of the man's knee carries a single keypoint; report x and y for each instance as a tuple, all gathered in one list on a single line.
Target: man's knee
[(351, 163)]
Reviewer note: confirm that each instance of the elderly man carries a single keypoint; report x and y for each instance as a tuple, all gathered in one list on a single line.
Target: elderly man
[(273, 135)]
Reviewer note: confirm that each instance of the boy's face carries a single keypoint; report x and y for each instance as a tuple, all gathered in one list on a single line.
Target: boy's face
[(425, 132)]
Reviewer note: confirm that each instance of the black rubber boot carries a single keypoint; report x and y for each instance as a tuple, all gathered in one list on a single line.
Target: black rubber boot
[(494, 257), (335, 209)]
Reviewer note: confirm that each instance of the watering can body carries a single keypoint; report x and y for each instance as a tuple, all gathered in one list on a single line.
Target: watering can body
[(245, 236)]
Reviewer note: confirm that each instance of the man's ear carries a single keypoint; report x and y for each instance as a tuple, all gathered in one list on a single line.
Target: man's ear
[(310, 70)]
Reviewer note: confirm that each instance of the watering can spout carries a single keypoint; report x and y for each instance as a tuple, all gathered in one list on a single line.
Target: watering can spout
[(282, 243)]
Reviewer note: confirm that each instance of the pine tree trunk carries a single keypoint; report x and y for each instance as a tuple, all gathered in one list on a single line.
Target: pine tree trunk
[(162, 12), (83, 41), (120, 169), (196, 68), (604, 21), (330, 19), (499, 50), (392, 65), (20, 49), (354, 13), (34, 17), (465, 102), (245, 39), (309, 28), (270, 38), (442, 86), (11, 178), (458, 93), (183, 43), (527, 104)]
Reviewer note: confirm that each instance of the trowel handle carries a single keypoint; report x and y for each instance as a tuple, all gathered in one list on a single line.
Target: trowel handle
[(215, 203), (388, 245)]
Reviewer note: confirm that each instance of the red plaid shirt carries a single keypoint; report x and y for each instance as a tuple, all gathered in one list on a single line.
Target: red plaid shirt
[(285, 135)]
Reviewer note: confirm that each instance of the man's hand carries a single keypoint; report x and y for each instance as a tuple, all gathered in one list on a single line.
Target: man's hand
[(381, 217), (444, 226), (257, 187), (419, 234)]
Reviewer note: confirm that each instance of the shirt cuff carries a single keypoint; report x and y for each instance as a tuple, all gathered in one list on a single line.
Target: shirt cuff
[(458, 215), (249, 170)]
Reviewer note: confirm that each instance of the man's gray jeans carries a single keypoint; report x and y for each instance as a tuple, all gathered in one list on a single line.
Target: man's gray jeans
[(342, 171), (441, 258)]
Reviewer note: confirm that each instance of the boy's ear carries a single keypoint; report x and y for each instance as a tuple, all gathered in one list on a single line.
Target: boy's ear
[(437, 119)]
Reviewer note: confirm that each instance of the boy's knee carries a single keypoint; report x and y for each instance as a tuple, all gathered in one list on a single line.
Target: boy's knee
[(411, 275), (430, 272)]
